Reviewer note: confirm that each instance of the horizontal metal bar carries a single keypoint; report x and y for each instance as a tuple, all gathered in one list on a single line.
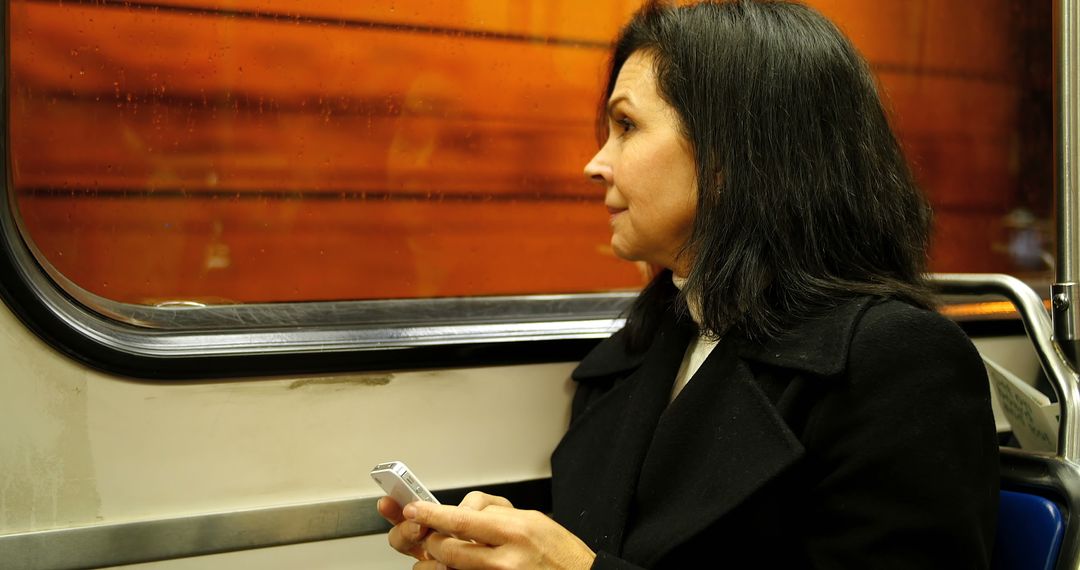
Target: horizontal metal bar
[(196, 535), (144, 541)]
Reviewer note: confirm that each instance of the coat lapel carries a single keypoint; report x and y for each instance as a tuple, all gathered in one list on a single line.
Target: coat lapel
[(600, 457), (718, 443)]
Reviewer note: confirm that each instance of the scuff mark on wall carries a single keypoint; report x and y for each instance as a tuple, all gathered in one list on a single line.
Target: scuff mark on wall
[(349, 380), (47, 476)]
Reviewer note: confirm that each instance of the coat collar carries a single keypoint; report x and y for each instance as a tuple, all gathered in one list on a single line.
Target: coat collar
[(608, 358), (818, 345)]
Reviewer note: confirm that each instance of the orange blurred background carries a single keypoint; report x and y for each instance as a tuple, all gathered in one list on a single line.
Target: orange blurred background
[(259, 151)]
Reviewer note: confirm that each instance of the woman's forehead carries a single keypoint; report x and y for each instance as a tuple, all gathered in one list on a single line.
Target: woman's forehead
[(636, 81)]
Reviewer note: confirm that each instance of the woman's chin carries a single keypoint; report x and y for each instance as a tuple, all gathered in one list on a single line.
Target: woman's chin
[(648, 265), (622, 252)]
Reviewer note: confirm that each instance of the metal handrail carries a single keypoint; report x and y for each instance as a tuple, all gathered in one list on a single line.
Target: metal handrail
[(1059, 371), (1066, 289)]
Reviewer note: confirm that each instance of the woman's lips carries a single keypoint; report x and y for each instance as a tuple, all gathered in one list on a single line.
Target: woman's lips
[(614, 212)]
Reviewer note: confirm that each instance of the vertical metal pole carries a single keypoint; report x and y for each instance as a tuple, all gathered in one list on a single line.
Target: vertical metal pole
[(1065, 295)]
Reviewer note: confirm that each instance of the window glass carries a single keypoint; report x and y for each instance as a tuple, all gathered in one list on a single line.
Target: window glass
[(970, 87), (261, 150)]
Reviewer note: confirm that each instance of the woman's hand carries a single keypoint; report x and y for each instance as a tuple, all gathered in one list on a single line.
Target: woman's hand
[(406, 537), (486, 532)]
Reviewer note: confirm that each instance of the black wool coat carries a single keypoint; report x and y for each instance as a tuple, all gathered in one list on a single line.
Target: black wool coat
[(862, 438)]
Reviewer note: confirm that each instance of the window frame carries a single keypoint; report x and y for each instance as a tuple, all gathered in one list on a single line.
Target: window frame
[(231, 340)]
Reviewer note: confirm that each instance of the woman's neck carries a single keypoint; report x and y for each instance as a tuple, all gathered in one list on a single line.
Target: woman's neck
[(692, 304)]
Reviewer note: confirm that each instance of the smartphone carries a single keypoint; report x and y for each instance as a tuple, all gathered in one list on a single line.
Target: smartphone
[(400, 483)]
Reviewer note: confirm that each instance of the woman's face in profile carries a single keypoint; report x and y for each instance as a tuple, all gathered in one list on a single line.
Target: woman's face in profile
[(647, 169)]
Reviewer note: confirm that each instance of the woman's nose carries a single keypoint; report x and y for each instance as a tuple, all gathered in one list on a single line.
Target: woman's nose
[(598, 170)]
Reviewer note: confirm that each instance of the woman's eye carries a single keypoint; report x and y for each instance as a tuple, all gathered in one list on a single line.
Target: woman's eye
[(625, 125)]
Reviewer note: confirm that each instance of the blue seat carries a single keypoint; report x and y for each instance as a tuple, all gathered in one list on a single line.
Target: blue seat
[(1029, 532)]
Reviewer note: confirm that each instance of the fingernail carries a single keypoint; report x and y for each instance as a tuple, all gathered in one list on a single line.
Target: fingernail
[(409, 511)]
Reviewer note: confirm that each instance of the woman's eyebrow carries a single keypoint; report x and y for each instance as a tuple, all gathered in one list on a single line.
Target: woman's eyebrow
[(622, 97)]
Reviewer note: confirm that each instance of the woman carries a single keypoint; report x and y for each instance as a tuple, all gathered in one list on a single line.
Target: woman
[(782, 396)]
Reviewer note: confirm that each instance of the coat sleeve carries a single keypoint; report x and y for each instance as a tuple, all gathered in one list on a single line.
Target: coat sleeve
[(904, 451)]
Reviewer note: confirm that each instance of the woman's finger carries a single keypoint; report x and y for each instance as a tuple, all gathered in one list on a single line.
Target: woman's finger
[(478, 501), (459, 554), (389, 510), (407, 538), (465, 524)]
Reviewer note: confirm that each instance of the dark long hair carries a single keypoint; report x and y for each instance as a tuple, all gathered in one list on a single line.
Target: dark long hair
[(804, 197)]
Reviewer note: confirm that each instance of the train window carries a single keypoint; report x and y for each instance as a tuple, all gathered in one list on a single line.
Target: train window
[(202, 153), (252, 151)]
